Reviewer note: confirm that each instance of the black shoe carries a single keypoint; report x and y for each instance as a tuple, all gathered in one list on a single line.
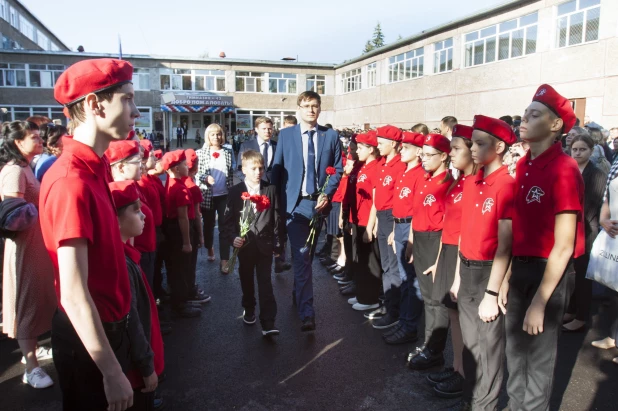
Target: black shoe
[(332, 266), (269, 330), (187, 311), (401, 336), (350, 289), (281, 266), (451, 388), (425, 360), (337, 270), (340, 276), (385, 322), (248, 318), (199, 298), (345, 280), (193, 304), (375, 314), (308, 324), (391, 331), (327, 261), (436, 378)]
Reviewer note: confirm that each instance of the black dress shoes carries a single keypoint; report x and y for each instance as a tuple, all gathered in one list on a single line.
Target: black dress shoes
[(401, 336), (308, 324), (281, 266), (425, 359), (349, 289)]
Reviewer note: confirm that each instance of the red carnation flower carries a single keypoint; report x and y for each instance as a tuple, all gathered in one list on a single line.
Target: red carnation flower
[(331, 171), (245, 196), (255, 198), (215, 155), (263, 204)]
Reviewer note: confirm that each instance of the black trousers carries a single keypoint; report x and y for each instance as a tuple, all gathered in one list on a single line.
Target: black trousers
[(425, 251), (367, 268), (147, 263), (581, 298), (208, 215), (195, 243), (158, 265), (81, 382), (348, 246), (483, 353), (252, 263), (391, 280), (178, 140), (531, 359), (177, 264)]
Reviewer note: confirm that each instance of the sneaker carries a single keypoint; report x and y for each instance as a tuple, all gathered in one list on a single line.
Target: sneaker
[(42, 354), (345, 281), (352, 301), (385, 322), (199, 298), (375, 314), (339, 276), (365, 307), (270, 331), (248, 318), (436, 378), (401, 336), (37, 378), (451, 388)]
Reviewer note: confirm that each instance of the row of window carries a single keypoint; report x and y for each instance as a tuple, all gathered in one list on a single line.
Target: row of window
[(577, 22), (21, 23), (35, 75)]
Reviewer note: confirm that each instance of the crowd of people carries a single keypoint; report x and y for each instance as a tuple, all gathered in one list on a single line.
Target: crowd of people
[(486, 230)]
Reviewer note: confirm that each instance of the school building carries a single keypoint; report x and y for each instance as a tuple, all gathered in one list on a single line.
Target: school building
[(490, 62)]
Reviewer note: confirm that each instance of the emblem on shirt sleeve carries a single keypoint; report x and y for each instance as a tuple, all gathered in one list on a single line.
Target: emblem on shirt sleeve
[(534, 194), (387, 181), (362, 178), (458, 198), (404, 192), (429, 200), (487, 205)]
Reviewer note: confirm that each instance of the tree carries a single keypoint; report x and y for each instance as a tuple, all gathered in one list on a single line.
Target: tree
[(368, 47), (378, 37), (399, 38)]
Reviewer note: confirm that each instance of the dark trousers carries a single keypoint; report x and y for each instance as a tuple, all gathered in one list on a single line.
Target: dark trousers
[(581, 298), (411, 304), (81, 382), (178, 140), (391, 280), (147, 263), (158, 265), (425, 251), (531, 359), (143, 401), (366, 267), (349, 250), (483, 353), (208, 214), (252, 263), (195, 243), (177, 264)]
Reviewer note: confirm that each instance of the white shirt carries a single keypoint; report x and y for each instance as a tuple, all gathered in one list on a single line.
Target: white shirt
[(269, 153), (305, 137), (218, 169)]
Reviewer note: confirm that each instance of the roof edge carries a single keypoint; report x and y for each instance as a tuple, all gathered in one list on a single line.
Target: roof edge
[(41, 23)]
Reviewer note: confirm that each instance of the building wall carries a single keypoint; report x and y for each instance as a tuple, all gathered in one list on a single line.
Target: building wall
[(15, 34)]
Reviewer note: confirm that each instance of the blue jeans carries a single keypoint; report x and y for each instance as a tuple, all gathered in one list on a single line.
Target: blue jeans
[(411, 306)]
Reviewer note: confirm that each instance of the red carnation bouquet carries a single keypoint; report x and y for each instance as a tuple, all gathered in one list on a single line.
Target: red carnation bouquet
[(247, 217), (316, 220), (215, 155)]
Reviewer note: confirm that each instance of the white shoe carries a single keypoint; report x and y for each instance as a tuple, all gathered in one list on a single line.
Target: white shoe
[(352, 301), (37, 378), (41, 353), (365, 307)]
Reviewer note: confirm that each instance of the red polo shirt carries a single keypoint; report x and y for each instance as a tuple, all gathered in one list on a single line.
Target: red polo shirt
[(385, 184), (485, 202), (452, 213), (153, 201), (177, 196), (365, 183), (196, 195), (75, 202), (147, 242), (428, 202), (340, 193), (404, 191), (548, 185), (158, 185)]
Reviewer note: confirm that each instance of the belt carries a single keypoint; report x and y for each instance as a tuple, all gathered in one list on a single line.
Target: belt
[(402, 220), (313, 197), (475, 263), (530, 259), (119, 325)]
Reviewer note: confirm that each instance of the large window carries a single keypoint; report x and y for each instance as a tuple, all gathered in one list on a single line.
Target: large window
[(42, 40), (245, 119), (176, 79), (406, 66), (14, 17), (44, 75), (351, 80), (372, 74), (192, 80), (23, 112), (577, 22), (513, 38), (282, 83), (249, 82), (145, 119), (316, 83), (141, 79), (26, 28), (12, 75), (209, 80), (4, 10), (443, 56)]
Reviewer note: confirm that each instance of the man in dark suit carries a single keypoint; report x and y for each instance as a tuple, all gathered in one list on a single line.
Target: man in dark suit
[(179, 131), (299, 171), (263, 144)]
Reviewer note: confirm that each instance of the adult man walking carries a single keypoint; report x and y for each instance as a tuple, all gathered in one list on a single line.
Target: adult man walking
[(299, 171)]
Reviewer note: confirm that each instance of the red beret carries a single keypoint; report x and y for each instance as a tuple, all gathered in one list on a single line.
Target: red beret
[(462, 131), (368, 139), (158, 154), (416, 139), (560, 105), (172, 159), (372, 133), (390, 132), (119, 150), (438, 141), (497, 128), (123, 192), (91, 76), (191, 156), (147, 145)]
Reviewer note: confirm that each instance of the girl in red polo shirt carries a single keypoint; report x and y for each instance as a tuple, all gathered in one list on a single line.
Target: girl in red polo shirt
[(427, 222)]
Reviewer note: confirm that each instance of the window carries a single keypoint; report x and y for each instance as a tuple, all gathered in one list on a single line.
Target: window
[(141, 79), (351, 80), (176, 79), (26, 28), (42, 75), (42, 40), (578, 22), (372, 73), (6, 43), (443, 56), (23, 112), (145, 118), (245, 119), (12, 75), (316, 83), (282, 83), (513, 38), (4, 10), (54, 47), (209, 80), (406, 66), (249, 82)]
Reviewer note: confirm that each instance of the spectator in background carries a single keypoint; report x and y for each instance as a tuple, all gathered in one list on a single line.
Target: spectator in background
[(599, 137), (39, 121), (601, 151), (289, 121), (51, 134), (446, 126), (420, 128), (575, 132)]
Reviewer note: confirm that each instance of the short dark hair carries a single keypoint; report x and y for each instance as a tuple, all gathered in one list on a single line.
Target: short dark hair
[(328, 125), (12, 132), (51, 133), (77, 112), (308, 95), (449, 121), (420, 128), (290, 120), (508, 120)]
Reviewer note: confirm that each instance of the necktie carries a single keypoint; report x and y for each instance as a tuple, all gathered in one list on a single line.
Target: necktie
[(265, 154), (310, 172)]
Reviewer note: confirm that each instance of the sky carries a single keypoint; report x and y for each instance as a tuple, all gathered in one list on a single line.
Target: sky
[(325, 31)]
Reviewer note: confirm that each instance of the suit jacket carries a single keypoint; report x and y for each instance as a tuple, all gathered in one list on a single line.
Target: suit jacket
[(266, 230), (254, 145), (288, 167)]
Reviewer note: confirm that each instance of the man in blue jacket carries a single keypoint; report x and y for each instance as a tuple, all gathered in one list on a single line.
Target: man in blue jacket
[(299, 171)]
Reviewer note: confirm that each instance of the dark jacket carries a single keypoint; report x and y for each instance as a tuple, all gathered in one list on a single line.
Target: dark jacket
[(594, 187), (253, 145)]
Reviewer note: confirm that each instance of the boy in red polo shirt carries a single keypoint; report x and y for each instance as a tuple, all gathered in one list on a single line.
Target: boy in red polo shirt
[(389, 139), (548, 232), (485, 253), (78, 221)]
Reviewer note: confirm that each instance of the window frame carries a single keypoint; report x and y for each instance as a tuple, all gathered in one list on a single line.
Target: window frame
[(415, 58), (140, 73), (372, 74), (316, 82), (446, 50), (568, 16), (256, 80), (279, 79), (53, 70), (352, 81)]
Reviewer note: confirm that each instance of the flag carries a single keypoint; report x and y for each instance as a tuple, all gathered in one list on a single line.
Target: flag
[(119, 48)]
